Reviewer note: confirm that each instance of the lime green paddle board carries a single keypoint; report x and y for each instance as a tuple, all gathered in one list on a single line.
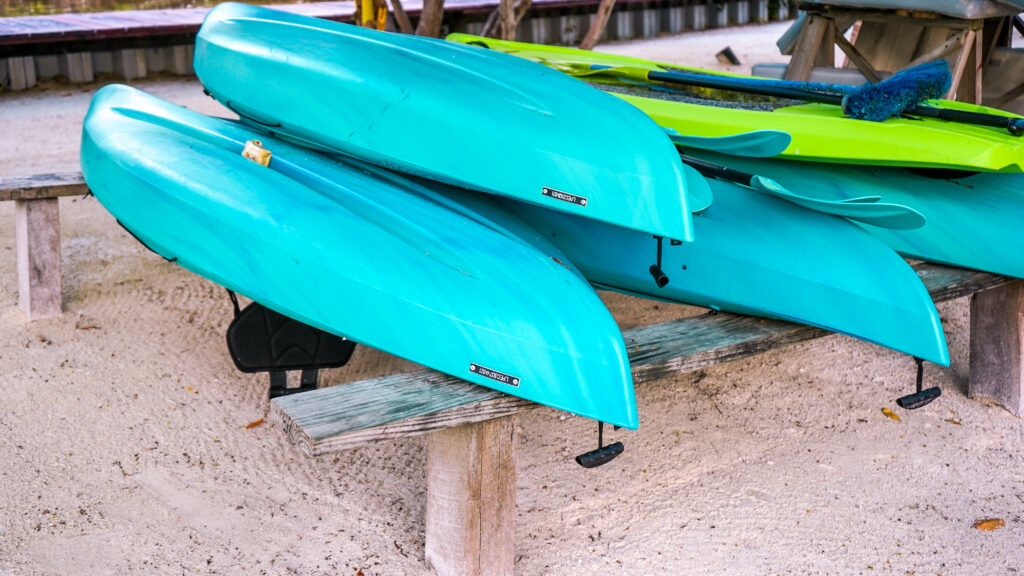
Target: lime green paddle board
[(820, 132)]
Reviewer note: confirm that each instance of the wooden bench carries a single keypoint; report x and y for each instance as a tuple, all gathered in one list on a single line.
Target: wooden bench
[(37, 237), (893, 40), (471, 447)]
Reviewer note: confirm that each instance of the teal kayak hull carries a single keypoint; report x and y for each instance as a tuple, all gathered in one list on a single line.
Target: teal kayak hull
[(971, 221), (447, 112), (763, 256), (359, 253)]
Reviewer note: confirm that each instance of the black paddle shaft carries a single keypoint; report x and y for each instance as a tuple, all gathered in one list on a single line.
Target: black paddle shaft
[(1014, 126), (711, 170)]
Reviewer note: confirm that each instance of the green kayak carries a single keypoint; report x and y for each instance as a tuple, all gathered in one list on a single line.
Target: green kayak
[(820, 132)]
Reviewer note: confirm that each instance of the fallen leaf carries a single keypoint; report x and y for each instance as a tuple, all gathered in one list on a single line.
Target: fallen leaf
[(86, 323), (990, 524), (890, 414), (954, 422), (254, 424), (360, 573)]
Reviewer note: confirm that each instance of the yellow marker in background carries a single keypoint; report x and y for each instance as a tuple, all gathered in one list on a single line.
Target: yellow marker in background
[(367, 11)]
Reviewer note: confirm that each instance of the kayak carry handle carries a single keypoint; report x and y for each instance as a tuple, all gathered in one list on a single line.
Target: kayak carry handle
[(921, 397), (603, 454), (660, 278)]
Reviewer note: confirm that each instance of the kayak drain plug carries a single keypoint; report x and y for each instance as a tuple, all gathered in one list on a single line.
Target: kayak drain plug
[(921, 397), (660, 278), (603, 454)]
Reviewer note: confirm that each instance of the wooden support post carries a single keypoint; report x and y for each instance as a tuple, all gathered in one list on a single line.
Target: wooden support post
[(963, 60), (808, 45), (47, 66), (130, 63), (21, 73), (77, 67), (997, 346), (37, 243), (156, 59), (970, 88), (179, 59), (471, 498)]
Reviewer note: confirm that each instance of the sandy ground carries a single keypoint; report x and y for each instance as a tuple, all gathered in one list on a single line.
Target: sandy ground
[(123, 429)]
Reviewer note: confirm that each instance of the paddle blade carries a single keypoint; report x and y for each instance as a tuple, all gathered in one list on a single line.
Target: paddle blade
[(900, 93), (698, 191), (892, 216), (755, 144)]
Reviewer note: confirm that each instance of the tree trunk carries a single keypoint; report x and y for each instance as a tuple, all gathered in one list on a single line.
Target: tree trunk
[(496, 20), (604, 10), (401, 18), (430, 18), (507, 15)]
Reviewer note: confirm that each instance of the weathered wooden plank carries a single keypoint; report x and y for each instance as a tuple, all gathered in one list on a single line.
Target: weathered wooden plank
[(43, 186), (37, 245), (662, 350), (410, 404), (945, 283), (471, 499), (997, 346), (414, 403), (929, 18)]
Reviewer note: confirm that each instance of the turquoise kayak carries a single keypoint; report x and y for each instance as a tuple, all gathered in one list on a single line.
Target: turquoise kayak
[(359, 253), (763, 256), (971, 220), (451, 113)]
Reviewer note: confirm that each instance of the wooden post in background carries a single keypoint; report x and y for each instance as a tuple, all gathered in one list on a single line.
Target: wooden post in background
[(471, 498), (997, 346), (604, 11), (401, 18), (37, 243), (431, 17)]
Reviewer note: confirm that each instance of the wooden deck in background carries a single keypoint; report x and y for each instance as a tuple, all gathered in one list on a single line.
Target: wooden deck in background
[(96, 26)]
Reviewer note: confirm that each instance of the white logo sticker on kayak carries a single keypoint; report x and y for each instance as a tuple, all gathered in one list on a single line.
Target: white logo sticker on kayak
[(494, 375), (565, 196)]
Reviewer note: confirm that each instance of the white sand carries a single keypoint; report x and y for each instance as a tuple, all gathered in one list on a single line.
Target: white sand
[(122, 426)]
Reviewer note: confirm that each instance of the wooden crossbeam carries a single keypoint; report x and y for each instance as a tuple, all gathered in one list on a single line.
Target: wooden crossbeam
[(369, 411), (857, 58)]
